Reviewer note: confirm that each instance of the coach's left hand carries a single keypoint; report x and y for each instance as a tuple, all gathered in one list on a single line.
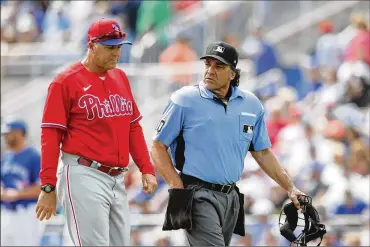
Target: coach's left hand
[(149, 183)]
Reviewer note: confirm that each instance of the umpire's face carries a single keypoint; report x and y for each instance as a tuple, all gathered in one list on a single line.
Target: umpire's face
[(105, 57), (217, 75)]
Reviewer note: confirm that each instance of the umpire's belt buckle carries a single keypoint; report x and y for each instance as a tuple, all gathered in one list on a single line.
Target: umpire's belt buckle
[(228, 187), (120, 169)]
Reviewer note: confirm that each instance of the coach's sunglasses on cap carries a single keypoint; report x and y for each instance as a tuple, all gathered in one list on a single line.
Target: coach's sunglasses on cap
[(109, 36)]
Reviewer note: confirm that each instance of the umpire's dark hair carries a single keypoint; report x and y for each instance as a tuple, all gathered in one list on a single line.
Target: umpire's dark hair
[(235, 82)]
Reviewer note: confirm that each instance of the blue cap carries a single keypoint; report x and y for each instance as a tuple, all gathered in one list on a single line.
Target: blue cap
[(114, 42), (14, 125)]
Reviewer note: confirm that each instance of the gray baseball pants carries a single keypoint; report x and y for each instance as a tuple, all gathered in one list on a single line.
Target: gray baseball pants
[(95, 204), (214, 218)]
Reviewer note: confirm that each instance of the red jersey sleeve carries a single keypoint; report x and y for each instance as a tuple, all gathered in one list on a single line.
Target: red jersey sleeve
[(138, 149), (50, 141), (136, 115), (57, 105)]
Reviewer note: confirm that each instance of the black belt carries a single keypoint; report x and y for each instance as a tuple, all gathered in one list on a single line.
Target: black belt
[(224, 188)]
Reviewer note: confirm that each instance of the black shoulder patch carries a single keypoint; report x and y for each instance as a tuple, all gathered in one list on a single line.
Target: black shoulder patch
[(160, 125)]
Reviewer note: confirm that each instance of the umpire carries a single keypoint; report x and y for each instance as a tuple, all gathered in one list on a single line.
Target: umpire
[(209, 129)]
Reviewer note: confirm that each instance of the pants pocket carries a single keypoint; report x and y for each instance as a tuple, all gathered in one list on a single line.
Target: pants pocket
[(240, 223), (179, 209)]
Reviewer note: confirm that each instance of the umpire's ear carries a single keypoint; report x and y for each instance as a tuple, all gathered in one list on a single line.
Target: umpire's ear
[(232, 74)]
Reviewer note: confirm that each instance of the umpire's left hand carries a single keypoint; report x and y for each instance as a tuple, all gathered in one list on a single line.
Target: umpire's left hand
[(149, 183), (294, 194)]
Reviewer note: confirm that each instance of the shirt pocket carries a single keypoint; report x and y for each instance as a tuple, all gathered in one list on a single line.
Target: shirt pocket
[(246, 127)]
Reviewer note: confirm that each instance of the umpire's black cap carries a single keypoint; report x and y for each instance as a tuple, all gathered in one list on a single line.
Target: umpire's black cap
[(222, 51)]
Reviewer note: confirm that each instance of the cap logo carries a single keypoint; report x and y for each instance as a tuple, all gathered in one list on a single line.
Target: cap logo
[(115, 27), (219, 49)]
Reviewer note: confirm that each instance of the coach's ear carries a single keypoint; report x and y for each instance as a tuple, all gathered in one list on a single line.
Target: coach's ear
[(91, 46)]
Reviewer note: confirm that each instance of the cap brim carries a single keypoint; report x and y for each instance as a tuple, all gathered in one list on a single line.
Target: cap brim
[(112, 42), (216, 57), (14, 126)]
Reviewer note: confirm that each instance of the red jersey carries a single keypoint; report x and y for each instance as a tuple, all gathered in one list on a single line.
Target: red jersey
[(97, 113), (274, 128), (359, 47)]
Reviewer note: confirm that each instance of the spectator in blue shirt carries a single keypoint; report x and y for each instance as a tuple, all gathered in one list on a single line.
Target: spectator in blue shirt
[(262, 53), (351, 205), (129, 11), (20, 187), (328, 52)]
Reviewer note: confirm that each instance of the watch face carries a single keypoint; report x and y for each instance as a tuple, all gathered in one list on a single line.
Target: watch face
[(48, 188)]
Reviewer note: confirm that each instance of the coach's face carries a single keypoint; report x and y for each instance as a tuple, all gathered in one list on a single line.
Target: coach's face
[(106, 57), (217, 75)]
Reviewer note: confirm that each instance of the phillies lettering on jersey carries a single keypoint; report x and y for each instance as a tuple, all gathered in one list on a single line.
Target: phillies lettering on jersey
[(115, 106), (96, 113)]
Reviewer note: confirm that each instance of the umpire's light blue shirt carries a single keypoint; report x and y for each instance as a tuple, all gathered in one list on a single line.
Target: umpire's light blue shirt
[(216, 140)]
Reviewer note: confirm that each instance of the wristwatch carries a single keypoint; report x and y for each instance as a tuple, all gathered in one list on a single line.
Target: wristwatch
[(48, 188)]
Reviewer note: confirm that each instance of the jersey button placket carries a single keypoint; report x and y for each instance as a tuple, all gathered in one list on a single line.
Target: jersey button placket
[(113, 122)]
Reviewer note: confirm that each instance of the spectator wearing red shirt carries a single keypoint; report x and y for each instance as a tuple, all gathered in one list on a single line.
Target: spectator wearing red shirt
[(186, 6), (274, 124), (359, 47), (179, 52)]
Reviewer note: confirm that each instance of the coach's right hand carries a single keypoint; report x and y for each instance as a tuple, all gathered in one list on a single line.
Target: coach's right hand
[(46, 206)]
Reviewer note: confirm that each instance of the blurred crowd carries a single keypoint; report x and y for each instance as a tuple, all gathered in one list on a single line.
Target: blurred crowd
[(319, 128), (31, 21), (64, 21)]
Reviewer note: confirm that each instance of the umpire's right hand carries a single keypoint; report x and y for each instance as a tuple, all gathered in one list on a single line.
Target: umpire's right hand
[(46, 205)]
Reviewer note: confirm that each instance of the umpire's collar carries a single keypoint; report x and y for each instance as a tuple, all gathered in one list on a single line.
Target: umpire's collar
[(205, 93)]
